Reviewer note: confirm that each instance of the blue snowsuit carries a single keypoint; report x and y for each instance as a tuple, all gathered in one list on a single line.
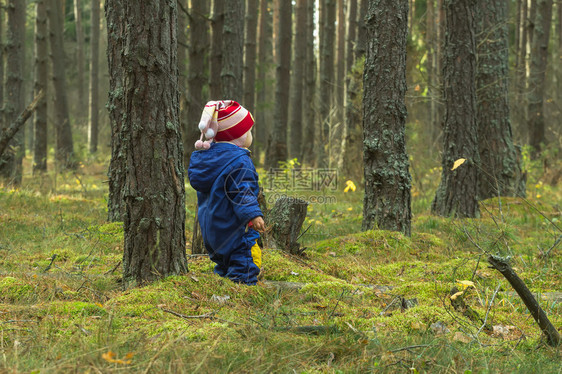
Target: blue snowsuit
[(227, 188)]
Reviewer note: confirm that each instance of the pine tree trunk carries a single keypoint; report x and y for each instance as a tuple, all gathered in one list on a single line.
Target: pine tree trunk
[(154, 194), (80, 56), (431, 68), (339, 91), (457, 192), (250, 48), (298, 80), (537, 75), (215, 66), (93, 111), (520, 111), (361, 46), (11, 163), (64, 145), (501, 169), (264, 39), (196, 79), (348, 123), (114, 12), (309, 119), (387, 180), (233, 51), (277, 147), (41, 81), (183, 31), (2, 57), (327, 75)]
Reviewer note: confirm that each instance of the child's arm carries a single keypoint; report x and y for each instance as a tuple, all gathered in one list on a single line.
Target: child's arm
[(242, 191)]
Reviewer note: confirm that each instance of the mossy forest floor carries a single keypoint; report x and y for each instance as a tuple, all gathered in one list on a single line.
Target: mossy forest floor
[(356, 302)]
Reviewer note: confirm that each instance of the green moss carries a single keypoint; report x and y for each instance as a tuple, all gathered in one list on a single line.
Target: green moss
[(76, 308), (15, 290)]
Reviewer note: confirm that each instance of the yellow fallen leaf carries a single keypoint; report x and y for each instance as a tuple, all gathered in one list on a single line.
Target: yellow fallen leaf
[(454, 296), (458, 163)]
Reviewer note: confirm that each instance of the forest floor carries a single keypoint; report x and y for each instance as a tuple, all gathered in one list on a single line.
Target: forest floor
[(356, 301)]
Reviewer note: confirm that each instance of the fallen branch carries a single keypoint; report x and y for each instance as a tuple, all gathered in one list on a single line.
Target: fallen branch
[(11, 131), (501, 265), (201, 316)]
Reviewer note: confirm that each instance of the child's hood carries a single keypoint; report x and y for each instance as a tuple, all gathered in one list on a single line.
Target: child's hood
[(206, 166)]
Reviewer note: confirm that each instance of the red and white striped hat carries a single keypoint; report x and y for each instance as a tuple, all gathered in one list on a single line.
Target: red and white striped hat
[(224, 121)]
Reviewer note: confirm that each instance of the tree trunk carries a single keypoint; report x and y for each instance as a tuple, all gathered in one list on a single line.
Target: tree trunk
[(348, 124), (187, 128), (309, 119), (64, 145), (252, 8), (8, 134), (457, 193), (233, 51), (431, 68), (277, 147), (2, 57), (264, 39), (501, 170), (215, 66), (114, 13), (40, 84), (196, 79), (298, 81), (80, 56), (93, 111), (361, 46), (154, 193), (339, 91), (387, 180), (11, 164), (327, 38), (537, 75), (521, 71)]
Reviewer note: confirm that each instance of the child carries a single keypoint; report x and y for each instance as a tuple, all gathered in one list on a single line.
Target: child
[(222, 173)]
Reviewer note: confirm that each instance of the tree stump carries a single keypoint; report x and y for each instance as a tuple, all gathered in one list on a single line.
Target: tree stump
[(197, 245), (286, 219)]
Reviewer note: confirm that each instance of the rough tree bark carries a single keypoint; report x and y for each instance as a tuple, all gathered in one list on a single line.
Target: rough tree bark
[(41, 79), (351, 32), (500, 167), (308, 145), (116, 173), (264, 38), (196, 78), (154, 192), (286, 219), (11, 167), (250, 49), (298, 79), (216, 56), (457, 192), (327, 48), (64, 143), (233, 51), (277, 146), (93, 107), (80, 55), (387, 181), (537, 75)]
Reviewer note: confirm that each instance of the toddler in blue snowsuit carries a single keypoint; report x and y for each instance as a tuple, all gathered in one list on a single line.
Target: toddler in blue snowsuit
[(226, 181)]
